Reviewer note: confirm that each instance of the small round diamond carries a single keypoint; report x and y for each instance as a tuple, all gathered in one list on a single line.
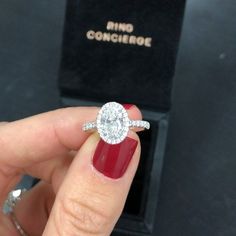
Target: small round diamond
[(113, 123)]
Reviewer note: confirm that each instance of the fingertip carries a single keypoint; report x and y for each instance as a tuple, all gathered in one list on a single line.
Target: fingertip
[(134, 112)]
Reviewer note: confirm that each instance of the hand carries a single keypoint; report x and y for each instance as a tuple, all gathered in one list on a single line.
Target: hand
[(83, 186)]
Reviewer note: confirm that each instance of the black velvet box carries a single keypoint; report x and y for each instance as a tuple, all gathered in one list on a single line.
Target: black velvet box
[(125, 51)]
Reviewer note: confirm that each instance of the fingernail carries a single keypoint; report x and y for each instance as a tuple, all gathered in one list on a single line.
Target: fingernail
[(128, 106), (113, 160)]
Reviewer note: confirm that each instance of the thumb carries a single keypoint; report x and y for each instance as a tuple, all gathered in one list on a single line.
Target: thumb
[(92, 195)]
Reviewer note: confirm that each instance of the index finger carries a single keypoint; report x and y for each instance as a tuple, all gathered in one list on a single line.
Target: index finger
[(42, 137)]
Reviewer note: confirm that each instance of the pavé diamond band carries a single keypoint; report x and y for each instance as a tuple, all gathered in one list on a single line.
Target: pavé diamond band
[(113, 123)]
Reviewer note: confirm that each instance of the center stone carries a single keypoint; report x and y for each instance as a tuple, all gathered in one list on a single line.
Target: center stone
[(112, 123), (113, 126)]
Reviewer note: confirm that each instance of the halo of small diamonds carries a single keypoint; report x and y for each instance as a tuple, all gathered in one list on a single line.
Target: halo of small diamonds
[(112, 123)]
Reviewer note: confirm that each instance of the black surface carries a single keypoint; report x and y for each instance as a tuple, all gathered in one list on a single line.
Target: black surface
[(198, 194), (136, 203), (98, 70)]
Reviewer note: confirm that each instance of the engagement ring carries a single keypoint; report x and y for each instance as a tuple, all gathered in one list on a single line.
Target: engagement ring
[(113, 123)]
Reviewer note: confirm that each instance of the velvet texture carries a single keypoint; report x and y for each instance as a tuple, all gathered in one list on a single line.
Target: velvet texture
[(105, 71)]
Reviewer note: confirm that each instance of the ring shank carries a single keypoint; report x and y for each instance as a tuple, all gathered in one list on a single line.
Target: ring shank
[(133, 124), (140, 124), (90, 126)]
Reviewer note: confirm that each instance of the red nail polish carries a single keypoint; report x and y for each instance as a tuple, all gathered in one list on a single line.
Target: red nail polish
[(128, 106), (113, 160)]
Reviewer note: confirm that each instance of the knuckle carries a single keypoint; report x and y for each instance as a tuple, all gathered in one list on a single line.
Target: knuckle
[(75, 216)]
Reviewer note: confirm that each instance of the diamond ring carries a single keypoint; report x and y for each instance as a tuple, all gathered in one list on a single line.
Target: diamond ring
[(113, 123), (9, 205)]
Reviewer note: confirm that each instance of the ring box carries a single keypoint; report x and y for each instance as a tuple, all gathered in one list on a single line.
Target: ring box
[(126, 51)]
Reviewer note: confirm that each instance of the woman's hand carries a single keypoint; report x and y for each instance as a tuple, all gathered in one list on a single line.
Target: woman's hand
[(84, 181)]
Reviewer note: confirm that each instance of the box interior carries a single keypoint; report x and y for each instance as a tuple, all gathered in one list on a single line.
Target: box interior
[(106, 71), (135, 204)]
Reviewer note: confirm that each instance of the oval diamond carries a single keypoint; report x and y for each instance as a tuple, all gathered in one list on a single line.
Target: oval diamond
[(113, 123)]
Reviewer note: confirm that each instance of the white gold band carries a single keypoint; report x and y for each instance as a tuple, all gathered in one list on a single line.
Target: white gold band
[(9, 205), (17, 225), (89, 126), (142, 124), (139, 124)]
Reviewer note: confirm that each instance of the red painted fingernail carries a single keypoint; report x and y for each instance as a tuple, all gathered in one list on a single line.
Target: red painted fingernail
[(113, 160), (128, 106)]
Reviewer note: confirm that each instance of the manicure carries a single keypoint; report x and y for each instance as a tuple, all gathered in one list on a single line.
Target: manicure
[(113, 160), (128, 106)]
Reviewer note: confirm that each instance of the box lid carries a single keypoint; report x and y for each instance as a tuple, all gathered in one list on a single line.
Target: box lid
[(121, 50)]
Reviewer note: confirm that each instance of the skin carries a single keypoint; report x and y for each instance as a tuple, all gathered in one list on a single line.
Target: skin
[(72, 198)]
